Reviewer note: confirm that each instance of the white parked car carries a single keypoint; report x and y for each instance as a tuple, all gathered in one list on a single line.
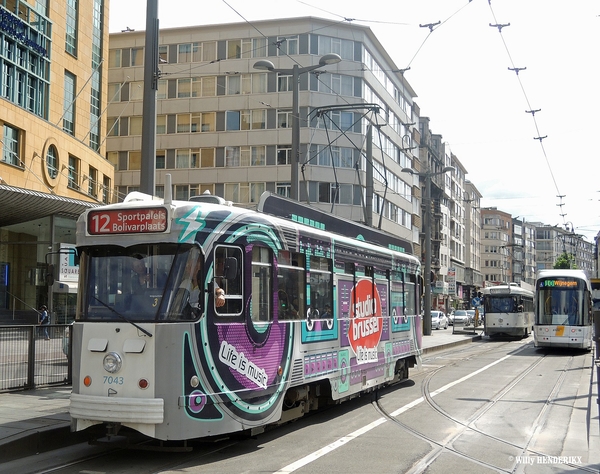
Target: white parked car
[(439, 320), (461, 317)]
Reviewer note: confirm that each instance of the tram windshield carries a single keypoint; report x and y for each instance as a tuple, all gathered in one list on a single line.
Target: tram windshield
[(501, 304), (562, 301), (141, 283)]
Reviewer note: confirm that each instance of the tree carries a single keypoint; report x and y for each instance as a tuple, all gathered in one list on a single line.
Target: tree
[(565, 260)]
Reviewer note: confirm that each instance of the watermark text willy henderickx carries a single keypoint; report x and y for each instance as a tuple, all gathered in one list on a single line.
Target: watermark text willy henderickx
[(531, 460)]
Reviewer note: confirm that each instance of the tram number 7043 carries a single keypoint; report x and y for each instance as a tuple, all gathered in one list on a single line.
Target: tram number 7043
[(110, 380)]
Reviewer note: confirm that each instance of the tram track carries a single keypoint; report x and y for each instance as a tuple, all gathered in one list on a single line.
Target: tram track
[(469, 425), (438, 448)]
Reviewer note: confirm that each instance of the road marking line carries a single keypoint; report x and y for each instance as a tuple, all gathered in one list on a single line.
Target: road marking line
[(355, 434)]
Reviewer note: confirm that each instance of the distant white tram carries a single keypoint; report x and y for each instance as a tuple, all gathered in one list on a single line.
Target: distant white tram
[(508, 310), (563, 309)]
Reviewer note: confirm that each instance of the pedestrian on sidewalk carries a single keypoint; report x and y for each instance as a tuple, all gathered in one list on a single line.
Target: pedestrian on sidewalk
[(44, 320)]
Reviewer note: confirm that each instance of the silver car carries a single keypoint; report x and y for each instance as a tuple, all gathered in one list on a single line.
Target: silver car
[(461, 317), (439, 320)]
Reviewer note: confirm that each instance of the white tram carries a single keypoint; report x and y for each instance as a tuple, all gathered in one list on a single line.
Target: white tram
[(563, 309), (508, 310), (310, 317)]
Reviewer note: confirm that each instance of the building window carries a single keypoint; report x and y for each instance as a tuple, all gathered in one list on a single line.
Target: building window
[(160, 159), (113, 127), (137, 56), (136, 90), (182, 192), (135, 160), (245, 156), (161, 124), (284, 118), (71, 27), (284, 155), (284, 189), (163, 54), (232, 120), (288, 45), (284, 83), (114, 92), (24, 57), (162, 92), (114, 58), (106, 190), (135, 125), (11, 146), (92, 182), (69, 103), (52, 162), (247, 84), (243, 192), (207, 157), (73, 173)]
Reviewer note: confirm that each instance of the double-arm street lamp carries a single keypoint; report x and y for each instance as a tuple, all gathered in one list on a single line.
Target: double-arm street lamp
[(427, 175), (295, 72)]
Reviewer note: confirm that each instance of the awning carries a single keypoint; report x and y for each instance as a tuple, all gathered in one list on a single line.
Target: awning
[(21, 205)]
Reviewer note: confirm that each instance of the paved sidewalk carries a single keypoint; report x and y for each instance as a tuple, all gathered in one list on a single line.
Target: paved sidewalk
[(36, 421)]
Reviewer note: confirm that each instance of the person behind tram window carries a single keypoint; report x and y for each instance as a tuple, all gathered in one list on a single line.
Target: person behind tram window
[(192, 281), (219, 282), (139, 275)]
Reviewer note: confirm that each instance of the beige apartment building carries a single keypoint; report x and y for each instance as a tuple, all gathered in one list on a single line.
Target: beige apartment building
[(224, 124)]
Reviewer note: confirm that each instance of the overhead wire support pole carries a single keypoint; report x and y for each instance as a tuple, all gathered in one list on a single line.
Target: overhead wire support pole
[(427, 175), (151, 73)]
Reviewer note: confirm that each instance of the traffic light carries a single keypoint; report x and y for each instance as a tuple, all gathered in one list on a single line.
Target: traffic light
[(50, 275)]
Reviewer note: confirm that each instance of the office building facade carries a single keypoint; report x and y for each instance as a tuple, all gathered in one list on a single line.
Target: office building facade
[(224, 126), (52, 162)]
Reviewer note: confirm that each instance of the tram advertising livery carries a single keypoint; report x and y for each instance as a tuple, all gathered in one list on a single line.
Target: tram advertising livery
[(563, 309), (198, 318)]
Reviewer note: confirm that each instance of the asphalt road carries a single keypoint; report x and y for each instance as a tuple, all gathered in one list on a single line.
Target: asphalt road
[(489, 406)]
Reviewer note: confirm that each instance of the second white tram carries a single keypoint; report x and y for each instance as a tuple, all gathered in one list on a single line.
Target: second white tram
[(563, 309), (508, 310)]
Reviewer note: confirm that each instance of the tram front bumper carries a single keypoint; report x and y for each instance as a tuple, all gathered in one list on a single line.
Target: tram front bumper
[(140, 414)]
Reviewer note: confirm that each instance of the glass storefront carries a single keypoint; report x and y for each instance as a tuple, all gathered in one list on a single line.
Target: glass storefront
[(28, 253)]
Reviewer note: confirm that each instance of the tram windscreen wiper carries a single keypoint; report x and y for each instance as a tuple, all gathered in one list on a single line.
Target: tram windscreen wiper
[(147, 333)]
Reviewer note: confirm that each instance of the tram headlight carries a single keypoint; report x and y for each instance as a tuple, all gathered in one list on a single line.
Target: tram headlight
[(112, 362)]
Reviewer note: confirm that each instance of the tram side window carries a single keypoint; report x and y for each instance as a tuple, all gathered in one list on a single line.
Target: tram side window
[(228, 276), (412, 295), (398, 299), (291, 285), (321, 288), (261, 284)]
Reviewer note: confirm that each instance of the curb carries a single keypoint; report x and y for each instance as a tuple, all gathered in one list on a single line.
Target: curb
[(450, 344), (38, 441)]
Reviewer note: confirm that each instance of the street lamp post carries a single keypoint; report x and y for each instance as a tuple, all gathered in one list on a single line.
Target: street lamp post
[(296, 71), (427, 225)]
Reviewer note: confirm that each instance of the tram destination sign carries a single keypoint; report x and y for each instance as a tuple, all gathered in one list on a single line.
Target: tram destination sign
[(127, 221)]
